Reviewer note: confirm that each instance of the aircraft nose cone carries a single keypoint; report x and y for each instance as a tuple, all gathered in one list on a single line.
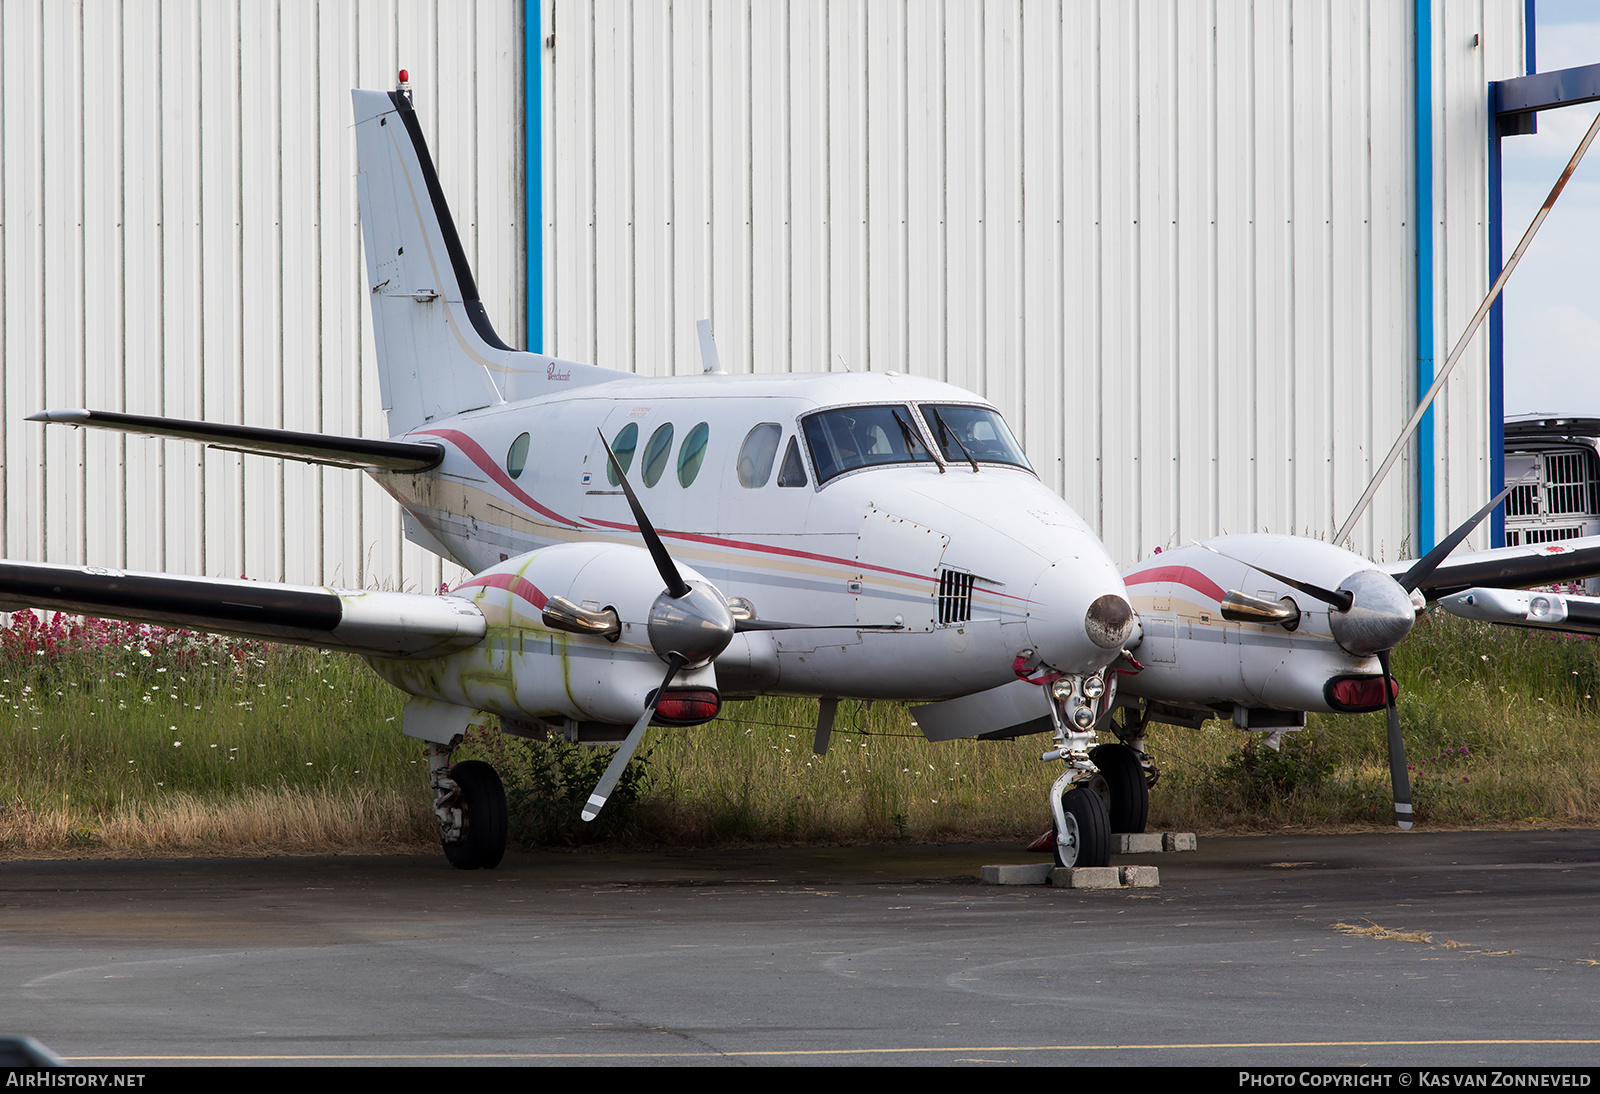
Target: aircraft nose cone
[(1080, 616), (1109, 621), (1379, 617)]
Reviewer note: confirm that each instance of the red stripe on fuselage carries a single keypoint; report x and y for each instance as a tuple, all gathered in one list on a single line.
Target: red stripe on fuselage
[(474, 452), (519, 587), (1187, 576)]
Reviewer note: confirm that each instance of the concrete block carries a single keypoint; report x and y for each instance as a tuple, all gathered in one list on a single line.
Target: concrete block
[(1033, 873), (1141, 877), (1086, 877), (1137, 843), (1178, 841)]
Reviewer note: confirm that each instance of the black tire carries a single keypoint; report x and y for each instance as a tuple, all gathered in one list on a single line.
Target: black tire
[(1087, 812), (485, 825), (1129, 807)]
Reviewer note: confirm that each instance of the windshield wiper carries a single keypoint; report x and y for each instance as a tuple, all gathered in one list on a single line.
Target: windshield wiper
[(948, 433), (911, 438)]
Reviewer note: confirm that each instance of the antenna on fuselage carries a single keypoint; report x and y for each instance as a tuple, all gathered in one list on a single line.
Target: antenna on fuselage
[(708, 348)]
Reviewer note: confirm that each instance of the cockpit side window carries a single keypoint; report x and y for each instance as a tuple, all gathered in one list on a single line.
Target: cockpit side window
[(793, 472), (863, 436), (757, 454), (973, 433)]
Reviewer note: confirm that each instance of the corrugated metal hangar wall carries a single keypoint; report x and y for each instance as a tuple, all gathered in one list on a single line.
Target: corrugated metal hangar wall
[(1174, 242), (180, 237)]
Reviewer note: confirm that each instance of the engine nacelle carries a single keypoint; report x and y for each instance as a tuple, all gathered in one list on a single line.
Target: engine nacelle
[(526, 670), (1194, 656)]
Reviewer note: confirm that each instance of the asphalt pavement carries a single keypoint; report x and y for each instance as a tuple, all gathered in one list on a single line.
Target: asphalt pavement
[(1452, 948)]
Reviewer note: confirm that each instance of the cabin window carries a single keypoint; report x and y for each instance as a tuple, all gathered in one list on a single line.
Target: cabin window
[(626, 440), (654, 460), (757, 454), (863, 436), (692, 453), (793, 472), (973, 433), (517, 457)]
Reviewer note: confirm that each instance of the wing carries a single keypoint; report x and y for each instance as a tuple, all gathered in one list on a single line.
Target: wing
[(362, 621), (1519, 608), (1510, 567), (288, 444)]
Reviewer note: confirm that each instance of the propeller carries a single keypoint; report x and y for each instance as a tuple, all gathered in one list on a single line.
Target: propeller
[(689, 624), (1371, 613)]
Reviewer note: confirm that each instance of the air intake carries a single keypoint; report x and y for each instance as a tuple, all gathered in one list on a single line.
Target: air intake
[(955, 597)]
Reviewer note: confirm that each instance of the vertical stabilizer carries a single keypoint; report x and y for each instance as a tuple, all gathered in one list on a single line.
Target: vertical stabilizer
[(438, 355), (432, 360)]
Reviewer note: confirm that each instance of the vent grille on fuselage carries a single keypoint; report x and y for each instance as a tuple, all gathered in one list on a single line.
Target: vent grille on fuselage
[(955, 597)]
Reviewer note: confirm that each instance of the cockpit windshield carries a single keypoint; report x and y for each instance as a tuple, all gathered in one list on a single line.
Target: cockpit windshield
[(974, 433), (863, 436)]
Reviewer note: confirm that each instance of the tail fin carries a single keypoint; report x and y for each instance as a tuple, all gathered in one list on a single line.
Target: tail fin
[(431, 364), (438, 355)]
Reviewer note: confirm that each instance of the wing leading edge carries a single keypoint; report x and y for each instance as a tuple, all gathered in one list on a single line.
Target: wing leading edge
[(288, 444), (361, 621), (1510, 567)]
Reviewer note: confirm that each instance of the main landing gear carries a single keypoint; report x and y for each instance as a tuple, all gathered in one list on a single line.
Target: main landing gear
[(470, 802)]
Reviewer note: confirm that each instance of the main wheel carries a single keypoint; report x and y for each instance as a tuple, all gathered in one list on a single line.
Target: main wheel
[(1088, 829), (1130, 793), (484, 822)]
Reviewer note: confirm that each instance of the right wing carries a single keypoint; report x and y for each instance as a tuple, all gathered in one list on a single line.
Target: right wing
[(288, 444), (360, 620)]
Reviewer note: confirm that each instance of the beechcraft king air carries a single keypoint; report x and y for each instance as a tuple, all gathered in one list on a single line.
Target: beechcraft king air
[(644, 550), (871, 536)]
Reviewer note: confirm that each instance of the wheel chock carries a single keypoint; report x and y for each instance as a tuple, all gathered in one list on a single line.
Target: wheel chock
[(1105, 877), (1151, 843), (1033, 873)]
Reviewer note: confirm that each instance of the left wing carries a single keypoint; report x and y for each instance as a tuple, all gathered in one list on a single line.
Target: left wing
[(1521, 608), (1509, 567), (359, 620)]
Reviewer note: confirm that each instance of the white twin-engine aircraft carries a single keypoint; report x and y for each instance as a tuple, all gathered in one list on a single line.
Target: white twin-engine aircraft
[(866, 536)]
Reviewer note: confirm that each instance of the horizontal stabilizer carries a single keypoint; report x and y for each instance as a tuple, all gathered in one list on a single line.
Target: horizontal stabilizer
[(1510, 567), (288, 444), (362, 621)]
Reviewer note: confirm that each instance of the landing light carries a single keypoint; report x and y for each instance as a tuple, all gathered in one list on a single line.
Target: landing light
[(1061, 690), (1094, 687), (1083, 717)]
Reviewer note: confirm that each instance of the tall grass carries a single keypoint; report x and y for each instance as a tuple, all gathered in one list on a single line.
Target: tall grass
[(123, 737)]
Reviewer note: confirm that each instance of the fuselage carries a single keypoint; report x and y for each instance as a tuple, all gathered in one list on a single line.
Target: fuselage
[(970, 567)]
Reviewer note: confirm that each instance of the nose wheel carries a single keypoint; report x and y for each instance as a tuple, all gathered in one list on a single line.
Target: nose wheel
[(1083, 834)]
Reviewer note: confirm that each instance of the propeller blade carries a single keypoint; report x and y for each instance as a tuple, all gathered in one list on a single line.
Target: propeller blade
[(1397, 749), (676, 586), (1430, 561), (625, 751), (1337, 599)]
